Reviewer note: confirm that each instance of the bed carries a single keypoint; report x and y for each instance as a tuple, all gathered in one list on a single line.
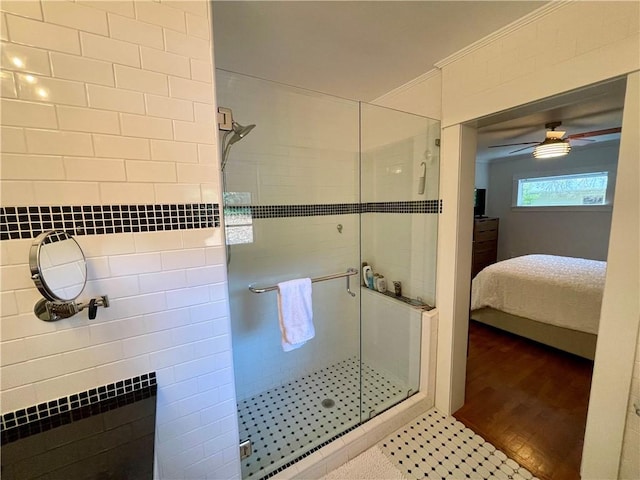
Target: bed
[(550, 299)]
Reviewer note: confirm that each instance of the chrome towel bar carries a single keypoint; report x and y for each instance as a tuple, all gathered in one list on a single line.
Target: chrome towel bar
[(347, 274)]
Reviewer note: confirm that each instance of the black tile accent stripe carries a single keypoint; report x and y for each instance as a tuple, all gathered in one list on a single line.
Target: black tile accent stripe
[(55, 413), (29, 222), (281, 211), (416, 206), (54, 237), (278, 211)]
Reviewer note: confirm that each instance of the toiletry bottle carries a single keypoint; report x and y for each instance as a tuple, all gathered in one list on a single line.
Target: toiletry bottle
[(367, 275), (397, 288), (371, 282), (381, 284), (364, 274)]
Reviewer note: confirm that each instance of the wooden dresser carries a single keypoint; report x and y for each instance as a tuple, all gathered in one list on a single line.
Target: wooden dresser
[(485, 243)]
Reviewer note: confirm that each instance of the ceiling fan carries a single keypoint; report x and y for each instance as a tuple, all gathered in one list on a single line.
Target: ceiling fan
[(555, 143)]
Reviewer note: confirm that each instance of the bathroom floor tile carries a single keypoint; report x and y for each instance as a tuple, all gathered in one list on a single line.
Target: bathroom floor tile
[(287, 421), (435, 446)]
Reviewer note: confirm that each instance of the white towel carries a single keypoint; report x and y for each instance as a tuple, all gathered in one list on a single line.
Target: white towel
[(295, 313)]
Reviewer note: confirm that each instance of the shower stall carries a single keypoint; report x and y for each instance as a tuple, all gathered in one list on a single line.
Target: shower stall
[(314, 186)]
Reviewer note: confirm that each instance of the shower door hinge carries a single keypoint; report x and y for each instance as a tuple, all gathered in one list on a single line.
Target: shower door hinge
[(245, 449), (437, 142), (225, 119)]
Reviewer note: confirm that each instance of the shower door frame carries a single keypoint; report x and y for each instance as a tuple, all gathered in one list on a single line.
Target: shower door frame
[(327, 221)]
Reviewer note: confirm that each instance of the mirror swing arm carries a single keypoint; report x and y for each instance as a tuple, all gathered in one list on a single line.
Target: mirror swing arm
[(52, 311), (59, 272)]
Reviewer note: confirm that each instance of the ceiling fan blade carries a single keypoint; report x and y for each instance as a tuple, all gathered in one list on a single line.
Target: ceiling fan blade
[(595, 133), (524, 148), (512, 144), (582, 140)]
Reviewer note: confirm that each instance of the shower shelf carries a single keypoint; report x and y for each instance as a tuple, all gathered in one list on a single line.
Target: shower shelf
[(412, 302)]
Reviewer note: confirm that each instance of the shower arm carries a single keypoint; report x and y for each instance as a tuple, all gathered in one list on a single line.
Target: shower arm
[(239, 132), (225, 150)]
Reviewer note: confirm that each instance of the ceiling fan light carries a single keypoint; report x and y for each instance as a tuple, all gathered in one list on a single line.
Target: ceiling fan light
[(551, 148)]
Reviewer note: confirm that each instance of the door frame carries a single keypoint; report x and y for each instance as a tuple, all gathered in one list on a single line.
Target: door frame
[(620, 318)]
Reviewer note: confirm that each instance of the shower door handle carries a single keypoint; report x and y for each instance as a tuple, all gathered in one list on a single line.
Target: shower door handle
[(350, 271)]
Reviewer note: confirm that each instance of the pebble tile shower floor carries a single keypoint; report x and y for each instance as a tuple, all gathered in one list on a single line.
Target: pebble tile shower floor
[(435, 446), (291, 418)]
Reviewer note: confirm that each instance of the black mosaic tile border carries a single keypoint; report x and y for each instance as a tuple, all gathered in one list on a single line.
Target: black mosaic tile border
[(55, 413), (313, 450), (278, 211), (29, 222), (311, 210), (54, 237), (416, 206)]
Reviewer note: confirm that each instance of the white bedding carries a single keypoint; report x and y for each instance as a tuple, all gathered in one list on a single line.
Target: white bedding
[(562, 291)]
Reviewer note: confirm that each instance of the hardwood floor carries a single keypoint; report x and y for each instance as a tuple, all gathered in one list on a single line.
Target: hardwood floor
[(527, 399)]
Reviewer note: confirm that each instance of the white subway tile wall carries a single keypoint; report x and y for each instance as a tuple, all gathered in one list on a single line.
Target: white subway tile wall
[(50, 90), (114, 99), (390, 339), (8, 85), (400, 247), (111, 103)]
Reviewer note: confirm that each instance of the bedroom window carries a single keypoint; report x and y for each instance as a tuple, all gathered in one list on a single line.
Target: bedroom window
[(582, 189)]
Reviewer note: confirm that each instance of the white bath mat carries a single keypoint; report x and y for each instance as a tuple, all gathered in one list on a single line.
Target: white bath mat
[(434, 445), (369, 465)]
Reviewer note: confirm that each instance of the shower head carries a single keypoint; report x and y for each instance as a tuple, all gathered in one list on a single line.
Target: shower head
[(239, 132)]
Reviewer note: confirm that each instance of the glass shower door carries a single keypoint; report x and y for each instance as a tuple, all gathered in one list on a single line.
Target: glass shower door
[(292, 211), (399, 194)]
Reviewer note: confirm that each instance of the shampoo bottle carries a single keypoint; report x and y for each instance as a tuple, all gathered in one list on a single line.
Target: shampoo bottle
[(367, 274), (364, 274)]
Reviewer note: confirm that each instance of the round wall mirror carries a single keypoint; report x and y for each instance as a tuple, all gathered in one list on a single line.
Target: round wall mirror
[(58, 266)]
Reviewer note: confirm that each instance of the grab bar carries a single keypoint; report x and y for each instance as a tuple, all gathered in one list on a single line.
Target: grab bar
[(348, 273)]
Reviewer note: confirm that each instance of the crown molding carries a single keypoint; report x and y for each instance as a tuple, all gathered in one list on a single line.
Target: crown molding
[(537, 14), (434, 72), (541, 12)]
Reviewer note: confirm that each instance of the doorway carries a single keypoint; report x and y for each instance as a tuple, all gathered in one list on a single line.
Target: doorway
[(519, 418)]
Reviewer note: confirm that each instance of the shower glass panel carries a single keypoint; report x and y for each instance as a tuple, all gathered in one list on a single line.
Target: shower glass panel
[(318, 186), (291, 211), (399, 195)]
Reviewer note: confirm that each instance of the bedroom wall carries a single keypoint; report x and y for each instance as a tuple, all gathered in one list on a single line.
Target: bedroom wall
[(111, 104), (482, 177), (574, 233)]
